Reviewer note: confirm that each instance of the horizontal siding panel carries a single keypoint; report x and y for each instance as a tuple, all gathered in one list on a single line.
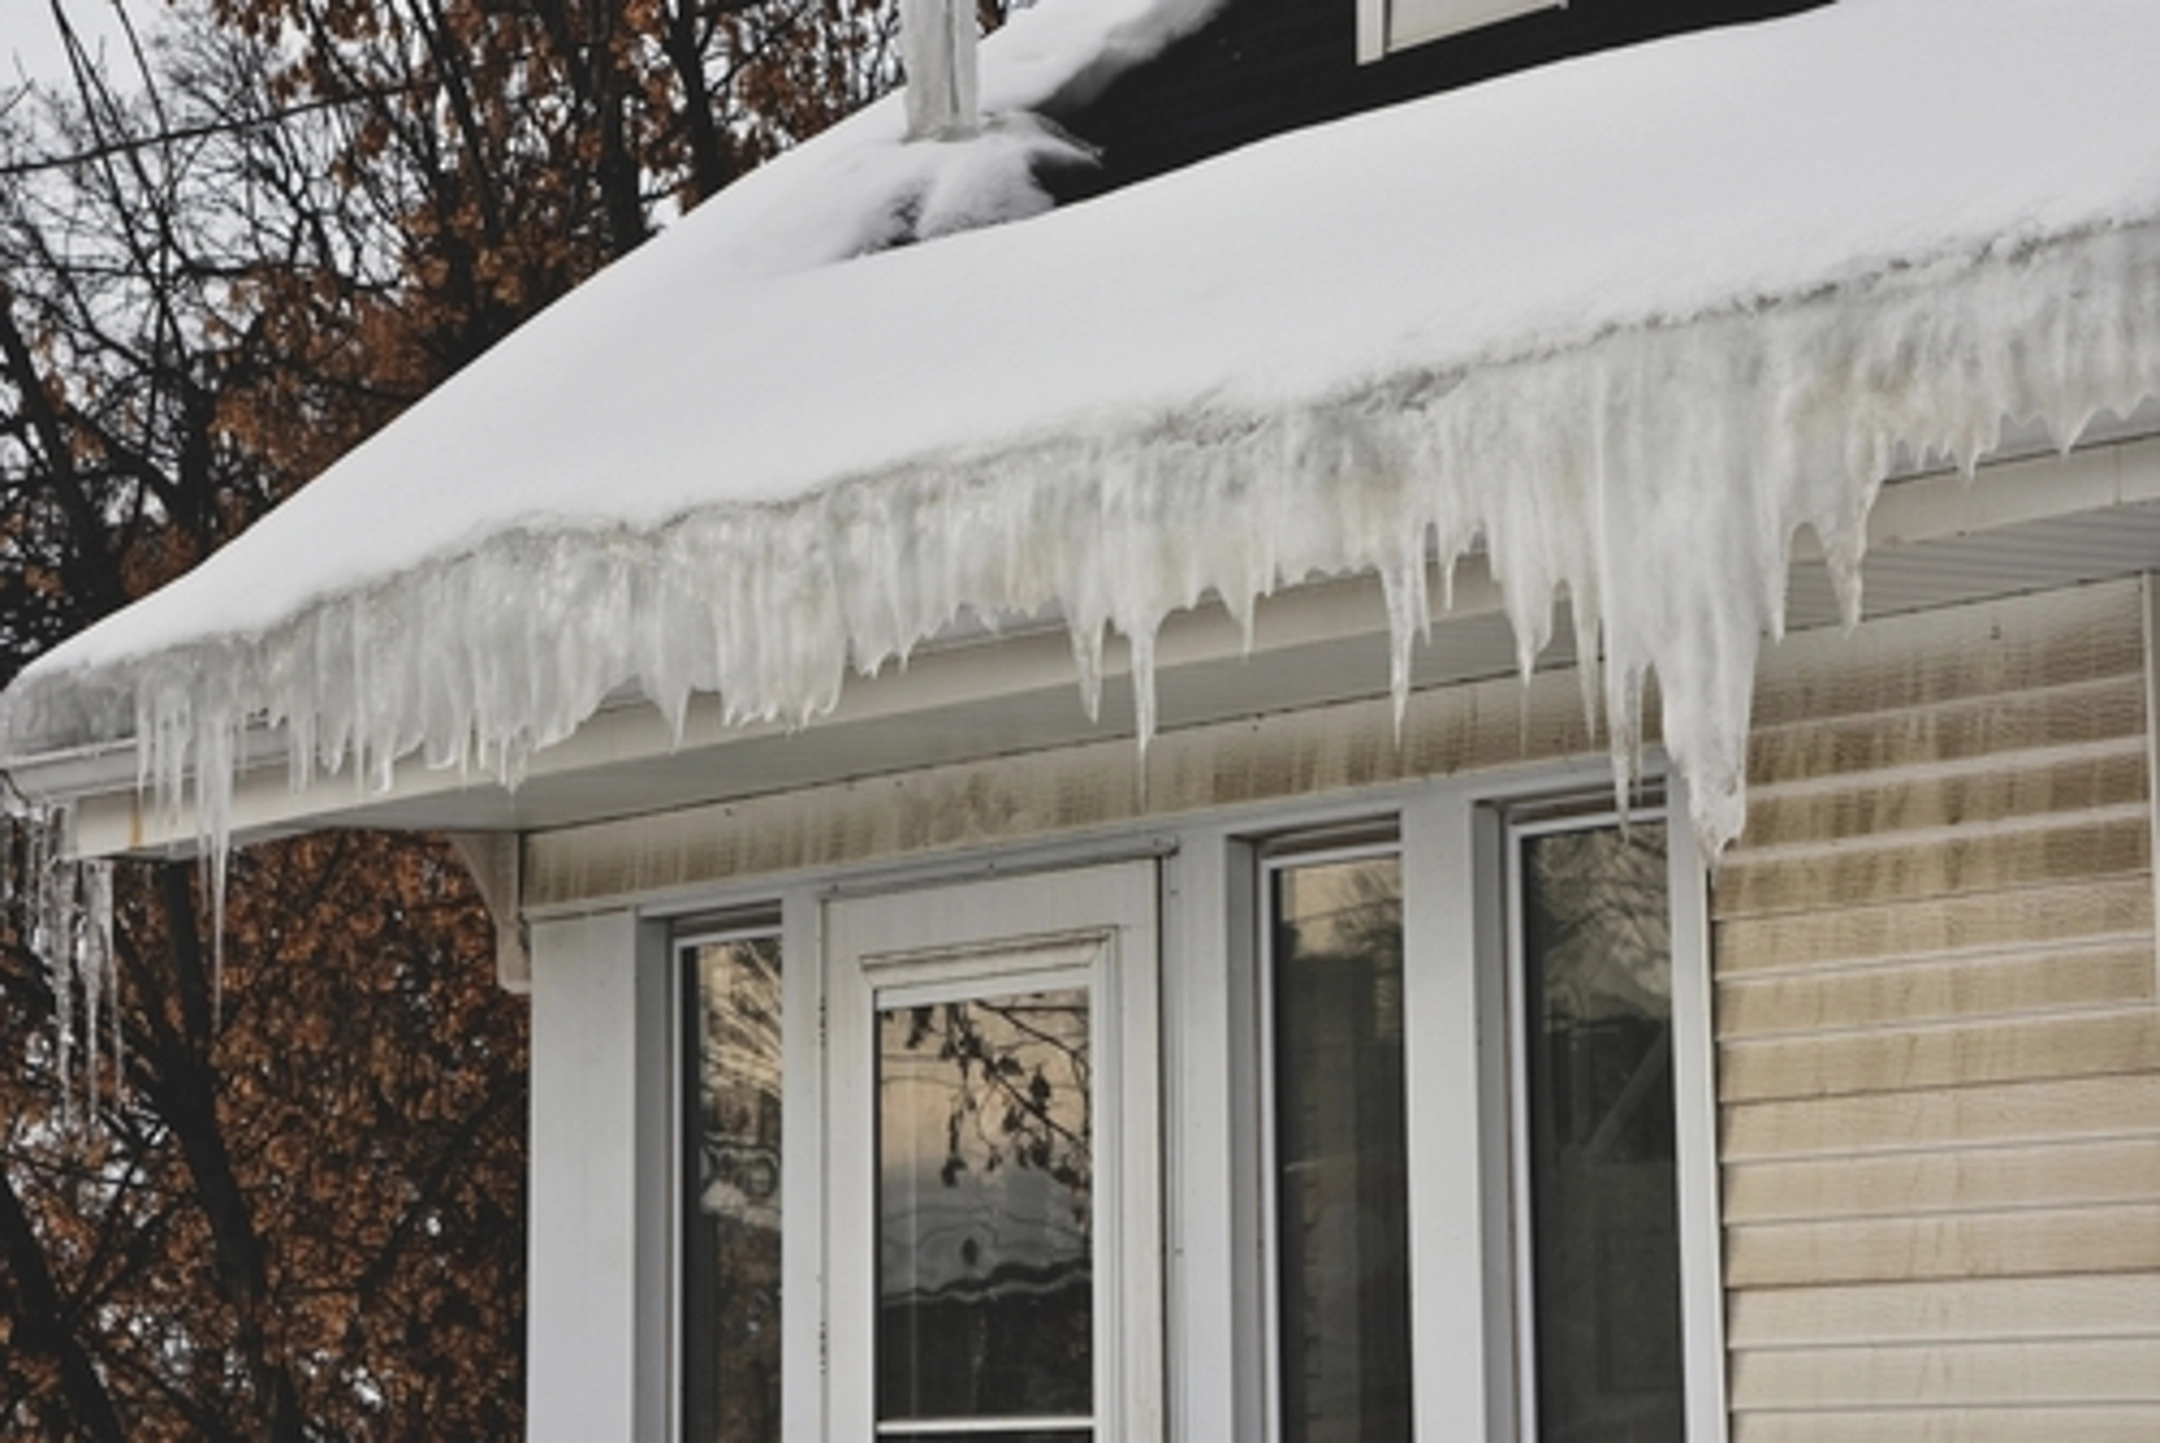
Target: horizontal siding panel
[(2098, 1305), (2086, 1370), (1065, 790), (1977, 924), (2081, 715), (1975, 1179), (1902, 1122), (2006, 789), (1984, 861), (2032, 982), (1939, 1050), (1886, 1060), (2102, 1423), (1898, 663), (2082, 1240)]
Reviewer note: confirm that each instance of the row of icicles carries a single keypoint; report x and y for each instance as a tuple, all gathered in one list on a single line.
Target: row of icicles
[(60, 907)]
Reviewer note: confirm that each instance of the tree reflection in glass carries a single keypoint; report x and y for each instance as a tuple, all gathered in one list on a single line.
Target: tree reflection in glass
[(1341, 1162), (985, 1260), (1597, 1016), (731, 1240)]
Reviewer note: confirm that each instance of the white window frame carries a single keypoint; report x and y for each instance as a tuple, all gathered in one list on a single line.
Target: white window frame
[(685, 937), (1456, 966), (1300, 849), (1453, 838), (667, 930), (1386, 26), (1694, 1105), (1096, 925), (1208, 1313)]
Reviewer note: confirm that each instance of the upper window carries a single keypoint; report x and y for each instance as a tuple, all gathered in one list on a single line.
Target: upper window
[(1385, 26)]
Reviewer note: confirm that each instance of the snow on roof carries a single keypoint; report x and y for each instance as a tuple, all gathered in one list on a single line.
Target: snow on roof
[(1629, 320)]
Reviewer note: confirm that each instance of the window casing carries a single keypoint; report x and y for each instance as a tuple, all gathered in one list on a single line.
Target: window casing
[(1220, 1321), (994, 1201)]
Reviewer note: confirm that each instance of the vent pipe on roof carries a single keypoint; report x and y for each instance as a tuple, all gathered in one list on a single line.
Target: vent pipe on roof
[(937, 44)]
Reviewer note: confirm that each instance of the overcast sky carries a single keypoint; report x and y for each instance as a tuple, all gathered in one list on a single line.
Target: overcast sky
[(29, 44)]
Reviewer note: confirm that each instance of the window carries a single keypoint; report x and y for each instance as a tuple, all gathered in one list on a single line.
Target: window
[(1342, 1294), (1409, 1138), (985, 1167), (992, 1134), (1596, 1174), (730, 1238), (1575, 1257), (1385, 26)]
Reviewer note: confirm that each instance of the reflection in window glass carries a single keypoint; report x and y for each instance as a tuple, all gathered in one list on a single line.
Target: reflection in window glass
[(1597, 1009), (985, 1260), (731, 1240), (1341, 1217)]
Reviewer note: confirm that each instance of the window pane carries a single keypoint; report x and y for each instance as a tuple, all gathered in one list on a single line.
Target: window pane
[(731, 1294), (1342, 1230), (1604, 1208), (985, 1260)]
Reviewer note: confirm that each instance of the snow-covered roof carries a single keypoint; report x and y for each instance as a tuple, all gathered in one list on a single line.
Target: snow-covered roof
[(1628, 322)]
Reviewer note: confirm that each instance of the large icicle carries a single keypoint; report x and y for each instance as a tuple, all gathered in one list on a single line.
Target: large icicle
[(62, 909), (1655, 476)]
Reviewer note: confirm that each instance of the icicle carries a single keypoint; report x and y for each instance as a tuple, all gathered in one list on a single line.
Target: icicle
[(1142, 646), (63, 901), (14, 843), (217, 763), (54, 942), (1087, 650), (90, 973), (99, 970), (1653, 476), (1409, 619), (63, 909)]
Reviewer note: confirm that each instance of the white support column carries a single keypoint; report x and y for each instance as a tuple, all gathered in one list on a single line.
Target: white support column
[(582, 1290)]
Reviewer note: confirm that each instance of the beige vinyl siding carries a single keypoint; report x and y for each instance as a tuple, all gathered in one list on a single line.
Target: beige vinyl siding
[(1098, 787), (1938, 1040)]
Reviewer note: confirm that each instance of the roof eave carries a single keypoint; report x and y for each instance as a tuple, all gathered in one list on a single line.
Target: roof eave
[(989, 694)]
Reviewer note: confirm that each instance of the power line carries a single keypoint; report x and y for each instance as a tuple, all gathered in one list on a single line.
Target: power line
[(130, 145)]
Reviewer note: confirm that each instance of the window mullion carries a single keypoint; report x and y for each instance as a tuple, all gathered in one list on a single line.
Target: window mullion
[(1459, 1296), (803, 1309)]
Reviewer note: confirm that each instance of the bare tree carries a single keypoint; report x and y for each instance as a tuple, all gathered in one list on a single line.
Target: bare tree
[(288, 1204)]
